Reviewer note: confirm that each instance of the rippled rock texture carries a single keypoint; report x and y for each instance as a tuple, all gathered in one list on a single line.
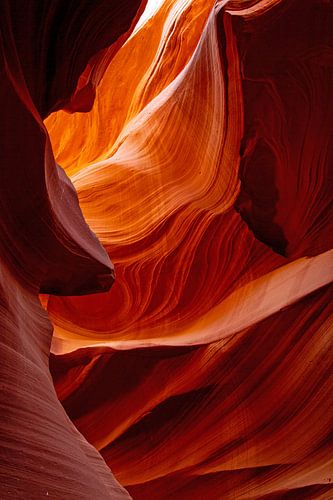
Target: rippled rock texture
[(199, 143)]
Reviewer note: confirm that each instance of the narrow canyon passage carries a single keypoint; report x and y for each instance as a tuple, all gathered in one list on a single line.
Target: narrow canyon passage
[(166, 193)]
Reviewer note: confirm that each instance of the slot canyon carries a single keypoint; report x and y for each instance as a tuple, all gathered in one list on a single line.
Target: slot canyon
[(166, 249)]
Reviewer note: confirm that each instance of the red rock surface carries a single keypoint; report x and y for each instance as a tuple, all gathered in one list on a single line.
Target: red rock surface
[(202, 160), (45, 244)]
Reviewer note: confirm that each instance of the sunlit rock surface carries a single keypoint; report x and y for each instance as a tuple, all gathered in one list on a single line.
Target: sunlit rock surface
[(199, 141)]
